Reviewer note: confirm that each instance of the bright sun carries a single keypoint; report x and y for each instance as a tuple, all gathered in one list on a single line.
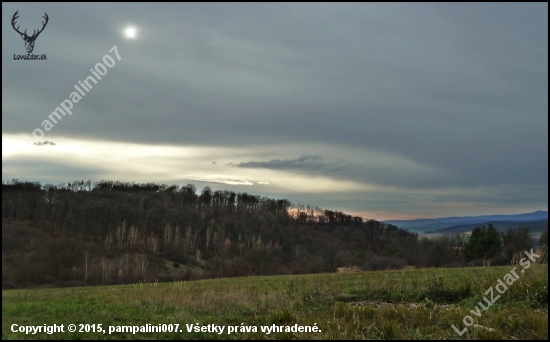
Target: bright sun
[(130, 32)]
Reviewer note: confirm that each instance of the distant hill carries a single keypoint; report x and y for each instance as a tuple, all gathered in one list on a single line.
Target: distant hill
[(467, 223), (501, 226)]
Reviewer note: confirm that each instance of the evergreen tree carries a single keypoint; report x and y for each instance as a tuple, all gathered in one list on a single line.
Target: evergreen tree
[(473, 248), (484, 243), (514, 241), (492, 243)]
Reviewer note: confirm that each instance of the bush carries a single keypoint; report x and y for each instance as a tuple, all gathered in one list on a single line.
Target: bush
[(501, 260), (167, 278), (72, 283), (9, 286), (475, 263), (377, 263)]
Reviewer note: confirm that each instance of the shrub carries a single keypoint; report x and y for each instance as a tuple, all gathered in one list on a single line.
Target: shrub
[(377, 263)]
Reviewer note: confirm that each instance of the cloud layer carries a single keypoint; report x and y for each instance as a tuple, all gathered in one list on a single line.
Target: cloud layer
[(416, 109)]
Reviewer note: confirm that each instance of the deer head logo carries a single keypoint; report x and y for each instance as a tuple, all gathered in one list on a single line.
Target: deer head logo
[(29, 41)]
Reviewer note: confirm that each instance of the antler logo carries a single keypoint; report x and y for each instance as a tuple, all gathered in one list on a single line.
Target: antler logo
[(29, 41)]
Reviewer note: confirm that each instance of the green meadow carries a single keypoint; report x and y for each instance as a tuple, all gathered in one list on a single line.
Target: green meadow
[(405, 304)]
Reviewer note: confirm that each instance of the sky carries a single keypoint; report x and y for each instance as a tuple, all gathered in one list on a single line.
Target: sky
[(387, 111)]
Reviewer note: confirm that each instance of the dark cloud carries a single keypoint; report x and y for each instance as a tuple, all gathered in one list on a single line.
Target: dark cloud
[(44, 143), (303, 163)]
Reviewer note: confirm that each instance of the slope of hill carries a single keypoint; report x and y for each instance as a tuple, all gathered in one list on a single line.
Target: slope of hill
[(113, 232)]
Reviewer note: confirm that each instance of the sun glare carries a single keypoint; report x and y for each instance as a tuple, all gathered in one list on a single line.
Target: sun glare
[(130, 32)]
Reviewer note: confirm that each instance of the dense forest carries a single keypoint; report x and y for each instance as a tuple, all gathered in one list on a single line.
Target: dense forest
[(111, 232)]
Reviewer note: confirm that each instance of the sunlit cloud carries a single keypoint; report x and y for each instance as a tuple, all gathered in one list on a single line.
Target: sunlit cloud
[(284, 176), (140, 162), (218, 179)]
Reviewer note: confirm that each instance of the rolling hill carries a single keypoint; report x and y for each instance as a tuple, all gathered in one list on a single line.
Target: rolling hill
[(537, 220)]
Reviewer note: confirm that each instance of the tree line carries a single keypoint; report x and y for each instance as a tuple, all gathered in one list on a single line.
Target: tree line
[(486, 243), (110, 232)]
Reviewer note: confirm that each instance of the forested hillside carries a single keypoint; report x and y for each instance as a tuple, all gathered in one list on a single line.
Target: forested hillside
[(113, 232)]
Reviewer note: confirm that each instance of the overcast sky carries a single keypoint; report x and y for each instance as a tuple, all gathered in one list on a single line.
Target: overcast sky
[(386, 111)]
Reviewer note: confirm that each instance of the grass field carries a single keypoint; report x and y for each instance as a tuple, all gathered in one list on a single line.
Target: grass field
[(407, 304)]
